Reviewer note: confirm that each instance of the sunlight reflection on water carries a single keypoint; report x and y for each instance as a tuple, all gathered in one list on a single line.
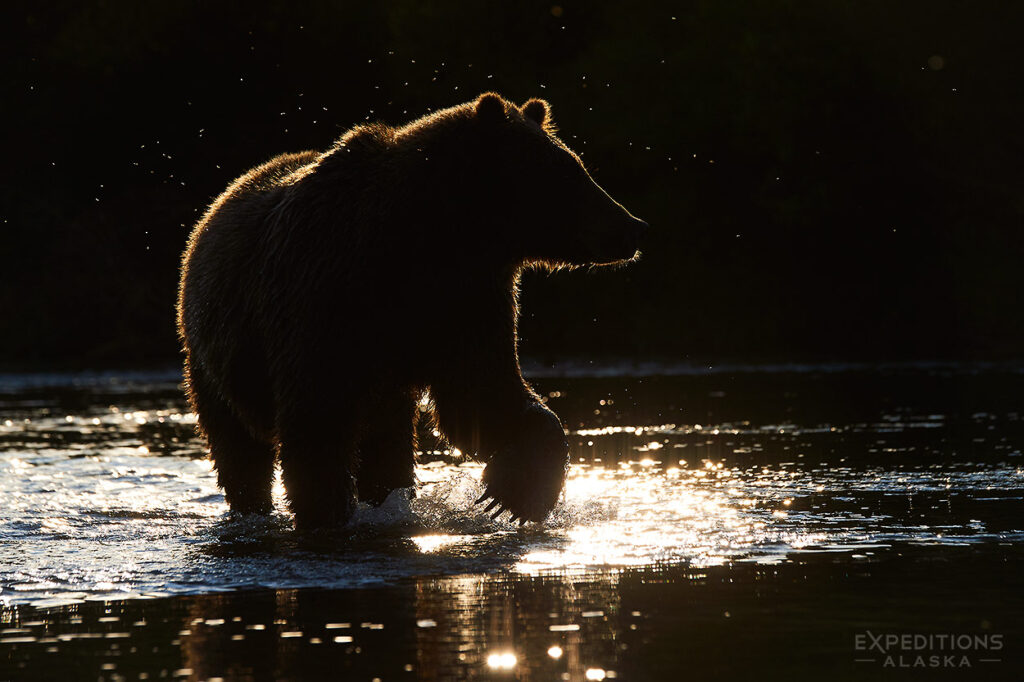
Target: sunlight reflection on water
[(106, 494)]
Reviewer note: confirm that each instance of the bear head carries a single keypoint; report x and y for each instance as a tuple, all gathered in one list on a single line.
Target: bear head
[(562, 216), (547, 208)]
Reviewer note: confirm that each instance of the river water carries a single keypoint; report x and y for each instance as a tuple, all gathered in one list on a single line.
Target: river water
[(716, 520)]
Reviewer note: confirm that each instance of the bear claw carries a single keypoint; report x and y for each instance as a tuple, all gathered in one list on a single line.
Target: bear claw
[(495, 508)]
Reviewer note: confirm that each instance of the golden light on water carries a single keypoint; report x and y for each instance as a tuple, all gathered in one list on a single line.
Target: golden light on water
[(501, 661), (277, 490), (630, 513), (432, 543), (641, 512)]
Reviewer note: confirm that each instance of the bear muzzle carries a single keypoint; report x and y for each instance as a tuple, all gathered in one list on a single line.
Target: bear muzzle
[(616, 242)]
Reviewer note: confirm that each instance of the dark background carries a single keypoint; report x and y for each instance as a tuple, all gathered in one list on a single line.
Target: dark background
[(826, 180)]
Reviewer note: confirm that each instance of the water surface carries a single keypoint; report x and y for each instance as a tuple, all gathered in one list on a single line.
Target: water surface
[(836, 497)]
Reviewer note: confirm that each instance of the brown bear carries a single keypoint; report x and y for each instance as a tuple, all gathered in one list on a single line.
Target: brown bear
[(324, 293)]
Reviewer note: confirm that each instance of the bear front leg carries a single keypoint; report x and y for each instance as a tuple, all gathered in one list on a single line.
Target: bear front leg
[(521, 440), (527, 475), (387, 447)]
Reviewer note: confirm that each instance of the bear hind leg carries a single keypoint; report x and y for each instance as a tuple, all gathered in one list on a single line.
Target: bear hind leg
[(244, 462)]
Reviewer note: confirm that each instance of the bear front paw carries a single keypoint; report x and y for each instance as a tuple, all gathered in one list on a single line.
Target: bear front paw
[(526, 477)]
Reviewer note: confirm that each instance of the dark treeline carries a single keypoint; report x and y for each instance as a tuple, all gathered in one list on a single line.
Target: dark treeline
[(824, 180)]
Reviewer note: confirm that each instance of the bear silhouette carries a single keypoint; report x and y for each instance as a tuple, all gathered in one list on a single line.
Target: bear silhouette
[(324, 294)]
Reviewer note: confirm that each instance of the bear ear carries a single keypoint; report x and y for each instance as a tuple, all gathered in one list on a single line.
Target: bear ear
[(490, 106), (538, 111)]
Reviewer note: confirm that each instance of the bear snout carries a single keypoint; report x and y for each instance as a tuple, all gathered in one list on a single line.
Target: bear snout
[(638, 230), (616, 241)]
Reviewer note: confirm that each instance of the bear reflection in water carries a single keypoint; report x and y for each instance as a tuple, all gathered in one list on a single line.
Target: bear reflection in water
[(326, 293)]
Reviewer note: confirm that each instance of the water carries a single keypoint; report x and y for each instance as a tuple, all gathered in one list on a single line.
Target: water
[(773, 512)]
